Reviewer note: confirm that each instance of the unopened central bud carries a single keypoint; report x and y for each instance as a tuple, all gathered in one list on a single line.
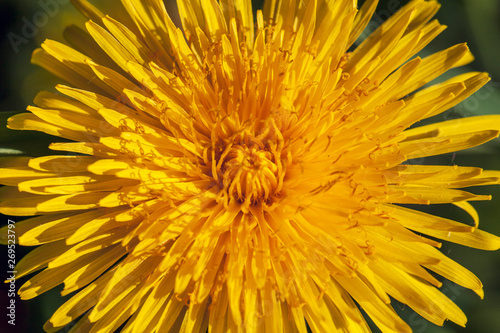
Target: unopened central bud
[(249, 174)]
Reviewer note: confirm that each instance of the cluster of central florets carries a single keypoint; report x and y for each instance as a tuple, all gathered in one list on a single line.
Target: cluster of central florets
[(250, 170)]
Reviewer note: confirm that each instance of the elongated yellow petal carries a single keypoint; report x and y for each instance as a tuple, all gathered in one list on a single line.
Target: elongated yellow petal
[(49, 278), (42, 58), (28, 121), (39, 258), (110, 45), (442, 143), (14, 176), (49, 228), (362, 19), (127, 38), (53, 101), (87, 9), (73, 60), (80, 303), (86, 274)]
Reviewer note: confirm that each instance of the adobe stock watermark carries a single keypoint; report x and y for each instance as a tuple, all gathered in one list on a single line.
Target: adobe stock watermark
[(11, 273), (474, 103), (31, 26), (449, 289), (471, 105)]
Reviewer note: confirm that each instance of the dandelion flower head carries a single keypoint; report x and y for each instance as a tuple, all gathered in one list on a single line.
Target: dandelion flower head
[(247, 171)]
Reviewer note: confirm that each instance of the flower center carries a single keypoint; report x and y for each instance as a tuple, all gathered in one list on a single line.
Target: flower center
[(249, 174)]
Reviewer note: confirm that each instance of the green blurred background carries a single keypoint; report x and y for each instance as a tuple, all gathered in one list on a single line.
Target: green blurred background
[(474, 21)]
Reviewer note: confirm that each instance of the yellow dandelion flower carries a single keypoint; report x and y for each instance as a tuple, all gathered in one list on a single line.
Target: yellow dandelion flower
[(246, 173)]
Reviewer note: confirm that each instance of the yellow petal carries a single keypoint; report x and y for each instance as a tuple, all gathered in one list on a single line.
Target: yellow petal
[(382, 314), (106, 221), (17, 203), (242, 12), (380, 43), (79, 303), (96, 102), (16, 175), (87, 9), (113, 79), (48, 100), (100, 262), (86, 148), (42, 58), (28, 121), (362, 19), (423, 222), (73, 184), (69, 120), (149, 314), (151, 19), (25, 226), (431, 195), (174, 310), (70, 202), (477, 239), (49, 228), (81, 41), (39, 258), (402, 287), (74, 61), (442, 176), (49, 278), (63, 164), (110, 45), (455, 126), (433, 66), (454, 272), (438, 142), (88, 246), (124, 282), (128, 39)]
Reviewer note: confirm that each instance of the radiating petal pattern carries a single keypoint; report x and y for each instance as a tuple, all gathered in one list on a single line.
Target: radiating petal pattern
[(247, 170)]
